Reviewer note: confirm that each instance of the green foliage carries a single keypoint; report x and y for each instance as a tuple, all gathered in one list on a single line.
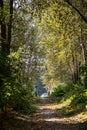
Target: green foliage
[(61, 90), (79, 99), (69, 111), (77, 102), (21, 101), (77, 105), (14, 93), (4, 66), (17, 97), (80, 96), (83, 75), (77, 95)]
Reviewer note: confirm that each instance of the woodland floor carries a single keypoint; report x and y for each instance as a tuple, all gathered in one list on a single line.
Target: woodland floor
[(47, 117)]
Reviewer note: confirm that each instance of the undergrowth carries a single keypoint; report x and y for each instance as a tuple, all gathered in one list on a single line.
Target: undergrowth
[(77, 96)]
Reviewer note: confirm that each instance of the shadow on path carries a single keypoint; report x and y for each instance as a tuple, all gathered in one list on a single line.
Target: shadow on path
[(44, 119)]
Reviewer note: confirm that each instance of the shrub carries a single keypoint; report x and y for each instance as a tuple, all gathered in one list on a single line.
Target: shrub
[(58, 92), (78, 99), (21, 100), (61, 90), (83, 75)]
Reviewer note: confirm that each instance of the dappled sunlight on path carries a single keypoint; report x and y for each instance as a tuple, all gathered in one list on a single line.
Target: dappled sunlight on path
[(48, 112), (53, 120), (47, 117)]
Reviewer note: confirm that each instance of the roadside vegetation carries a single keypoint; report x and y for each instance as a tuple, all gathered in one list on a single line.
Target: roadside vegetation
[(75, 97)]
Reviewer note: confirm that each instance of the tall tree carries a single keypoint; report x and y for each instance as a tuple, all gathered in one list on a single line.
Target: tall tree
[(6, 28)]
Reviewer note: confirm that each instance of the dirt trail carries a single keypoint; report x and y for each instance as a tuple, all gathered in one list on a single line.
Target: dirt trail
[(46, 118)]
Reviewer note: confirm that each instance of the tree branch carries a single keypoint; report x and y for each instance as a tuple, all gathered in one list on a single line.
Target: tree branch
[(82, 16)]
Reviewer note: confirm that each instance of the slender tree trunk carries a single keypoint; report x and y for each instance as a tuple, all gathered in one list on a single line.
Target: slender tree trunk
[(3, 30), (85, 52), (84, 48), (10, 27), (6, 34), (75, 74)]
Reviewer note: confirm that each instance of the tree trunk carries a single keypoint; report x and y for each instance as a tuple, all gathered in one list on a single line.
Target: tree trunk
[(3, 31), (75, 74), (10, 27), (85, 52), (84, 47)]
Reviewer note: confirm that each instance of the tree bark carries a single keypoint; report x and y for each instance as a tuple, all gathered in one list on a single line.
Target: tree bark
[(3, 30), (84, 47), (10, 27), (75, 62), (85, 52)]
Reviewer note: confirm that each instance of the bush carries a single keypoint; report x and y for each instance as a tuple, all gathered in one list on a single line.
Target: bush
[(13, 92), (78, 99), (83, 75), (77, 105), (58, 92), (17, 98), (61, 90), (21, 101)]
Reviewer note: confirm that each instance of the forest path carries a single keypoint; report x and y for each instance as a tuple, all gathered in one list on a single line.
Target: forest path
[(47, 117)]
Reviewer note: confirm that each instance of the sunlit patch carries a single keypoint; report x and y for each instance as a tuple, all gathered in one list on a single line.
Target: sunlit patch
[(22, 118), (50, 113), (72, 120), (55, 120)]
